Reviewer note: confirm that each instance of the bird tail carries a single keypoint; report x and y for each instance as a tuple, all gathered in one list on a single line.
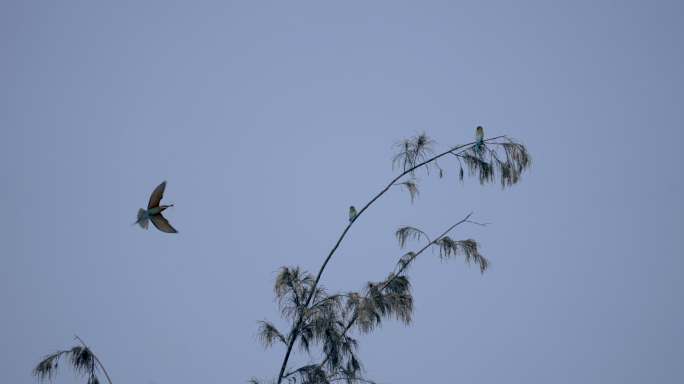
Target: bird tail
[(142, 221), (477, 147)]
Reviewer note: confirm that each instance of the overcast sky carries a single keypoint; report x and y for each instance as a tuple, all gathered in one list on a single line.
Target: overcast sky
[(269, 119)]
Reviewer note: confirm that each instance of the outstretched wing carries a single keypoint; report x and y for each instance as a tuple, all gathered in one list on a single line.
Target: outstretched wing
[(157, 195), (162, 224)]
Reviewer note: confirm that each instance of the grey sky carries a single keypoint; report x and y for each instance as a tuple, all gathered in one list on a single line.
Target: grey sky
[(269, 119)]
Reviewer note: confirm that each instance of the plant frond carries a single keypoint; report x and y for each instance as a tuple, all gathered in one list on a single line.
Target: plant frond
[(328, 303), (402, 153), (405, 262), (460, 166), (481, 153), (292, 286), (268, 334), (397, 284), (377, 305), (353, 301), (487, 165), (47, 368), (351, 375), (367, 317), (306, 337), (322, 323), (79, 359), (517, 153), (450, 249), (400, 306), (479, 167), (327, 327), (82, 362), (441, 171), (354, 367), (339, 349), (412, 186), (309, 374), (411, 152), (518, 160), (408, 233)]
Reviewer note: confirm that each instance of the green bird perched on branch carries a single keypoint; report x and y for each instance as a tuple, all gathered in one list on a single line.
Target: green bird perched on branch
[(479, 135), (352, 215), (154, 211)]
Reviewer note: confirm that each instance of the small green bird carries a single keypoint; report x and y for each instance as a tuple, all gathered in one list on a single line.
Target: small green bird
[(479, 135), (154, 211), (352, 214)]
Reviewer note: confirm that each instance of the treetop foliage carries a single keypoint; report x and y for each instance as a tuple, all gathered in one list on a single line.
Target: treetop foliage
[(81, 360), (319, 319)]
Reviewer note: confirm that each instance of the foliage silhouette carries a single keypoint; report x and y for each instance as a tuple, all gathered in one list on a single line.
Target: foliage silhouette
[(319, 319), (80, 359)]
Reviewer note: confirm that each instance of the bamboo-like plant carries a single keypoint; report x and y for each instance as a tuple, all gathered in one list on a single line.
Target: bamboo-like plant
[(80, 359), (319, 319)]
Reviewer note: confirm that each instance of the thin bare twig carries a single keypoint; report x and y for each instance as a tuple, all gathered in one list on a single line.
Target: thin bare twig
[(472, 222)]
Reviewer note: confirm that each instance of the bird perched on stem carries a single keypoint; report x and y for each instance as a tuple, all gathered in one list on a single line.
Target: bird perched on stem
[(479, 135), (154, 211), (352, 214)]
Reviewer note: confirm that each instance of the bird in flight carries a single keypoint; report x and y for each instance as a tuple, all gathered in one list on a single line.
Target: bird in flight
[(479, 135), (154, 211), (352, 214)]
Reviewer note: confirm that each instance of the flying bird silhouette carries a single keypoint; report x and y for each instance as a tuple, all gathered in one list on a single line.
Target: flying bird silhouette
[(154, 211)]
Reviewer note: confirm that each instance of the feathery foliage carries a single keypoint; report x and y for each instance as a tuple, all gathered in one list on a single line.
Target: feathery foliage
[(412, 186), (318, 319), (486, 165), (328, 320), (79, 359), (405, 234), (268, 334), (411, 152), (489, 164), (405, 262), (449, 249)]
